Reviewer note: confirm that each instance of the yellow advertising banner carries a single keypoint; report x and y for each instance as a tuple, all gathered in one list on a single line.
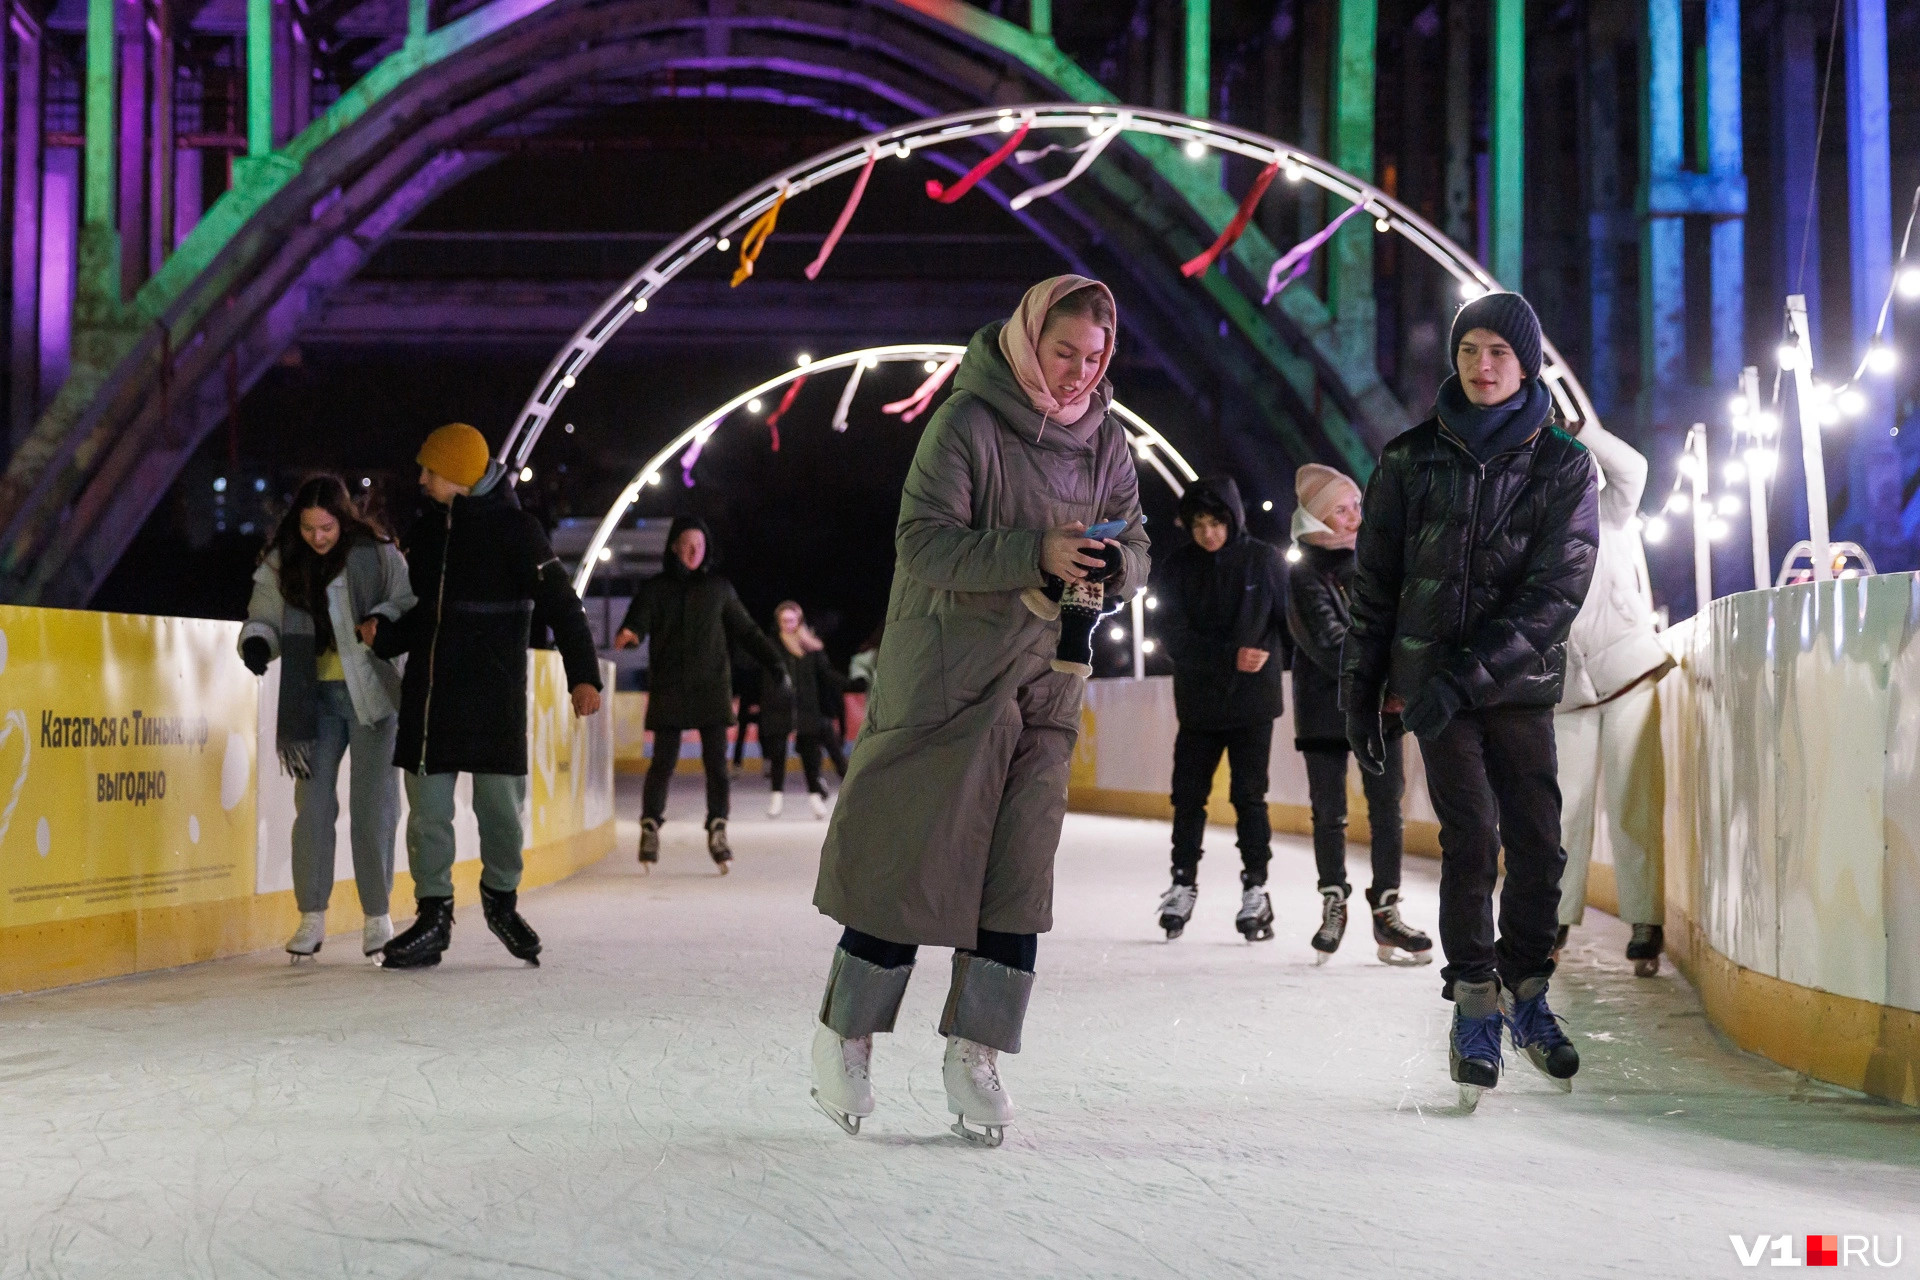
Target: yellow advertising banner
[(126, 764)]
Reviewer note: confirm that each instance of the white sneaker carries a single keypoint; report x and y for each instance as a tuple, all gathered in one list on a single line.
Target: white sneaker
[(841, 1084), (819, 803), (974, 1092), (775, 803), (307, 939), (375, 934)]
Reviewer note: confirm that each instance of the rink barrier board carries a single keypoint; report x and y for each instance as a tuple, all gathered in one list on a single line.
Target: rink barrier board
[(138, 830)]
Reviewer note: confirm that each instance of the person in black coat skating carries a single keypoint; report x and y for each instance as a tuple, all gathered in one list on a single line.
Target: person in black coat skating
[(800, 708), (481, 569), (1222, 614), (692, 617), (1479, 540), (1326, 519)]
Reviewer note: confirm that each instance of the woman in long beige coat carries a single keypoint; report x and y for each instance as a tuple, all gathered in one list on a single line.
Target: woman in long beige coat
[(950, 815)]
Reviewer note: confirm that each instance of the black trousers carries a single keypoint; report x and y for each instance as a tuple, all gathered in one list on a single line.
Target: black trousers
[(808, 747), (1015, 950), (1327, 791), (1493, 777), (666, 755), (1196, 757)]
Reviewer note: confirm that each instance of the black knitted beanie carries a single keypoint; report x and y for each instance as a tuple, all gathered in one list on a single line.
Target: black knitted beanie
[(1507, 314)]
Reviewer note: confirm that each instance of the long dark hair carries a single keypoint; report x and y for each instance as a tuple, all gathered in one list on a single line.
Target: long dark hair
[(304, 575)]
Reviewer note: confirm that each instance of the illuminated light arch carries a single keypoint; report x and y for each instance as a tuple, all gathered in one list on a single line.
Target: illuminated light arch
[(636, 294), (1149, 446)]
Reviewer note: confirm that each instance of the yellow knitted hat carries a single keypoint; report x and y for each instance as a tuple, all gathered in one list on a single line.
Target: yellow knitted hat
[(457, 452)]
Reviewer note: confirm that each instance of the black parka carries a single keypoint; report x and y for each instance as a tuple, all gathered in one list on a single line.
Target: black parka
[(1470, 572), (481, 567), (692, 619), (1317, 619), (802, 707), (1211, 605)]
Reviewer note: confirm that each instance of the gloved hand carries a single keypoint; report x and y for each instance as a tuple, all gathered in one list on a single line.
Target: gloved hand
[(1107, 572), (256, 653), (1433, 709), (1366, 738)]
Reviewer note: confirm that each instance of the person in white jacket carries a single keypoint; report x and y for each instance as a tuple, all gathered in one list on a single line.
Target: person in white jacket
[(1607, 726)]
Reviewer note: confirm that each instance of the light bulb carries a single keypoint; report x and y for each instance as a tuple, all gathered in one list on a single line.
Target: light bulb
[(1153, 602), (903, 151), (1381, 224), (568, 382), (1729, 504), (1293, 172), (1689, 465), (653, 477), (1472, 289), (1267, 505), (1736, 472), (1766, 422), (1762, 462), (1851, 402), (1717, 529), (1738, 406), (1146, 646), (1822, 393), (803, 359), (1678, 503), (869, 363), (724, 245), (1007, 124), (639, 304), (1881, 358), (1293, 555), (1118, 633), (931, 366), (1789, 356), (526, 474), (606, 554), (1656, 530), (1909, 283), (754, 405), (568, 428), (1196, 149), (366, 482)]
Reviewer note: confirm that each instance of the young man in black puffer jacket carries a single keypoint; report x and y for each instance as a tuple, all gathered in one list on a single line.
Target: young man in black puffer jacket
[(1223, 614), (1476, 548), (481, 568)]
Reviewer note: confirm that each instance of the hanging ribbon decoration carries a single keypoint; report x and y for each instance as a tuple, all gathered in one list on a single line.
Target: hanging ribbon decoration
[(756, 238), (786, 403), (692, 453), (914, 405), (846, 215), (1294, 263), (947, 195), (1089, 152), (1235, 229), (846, 397)]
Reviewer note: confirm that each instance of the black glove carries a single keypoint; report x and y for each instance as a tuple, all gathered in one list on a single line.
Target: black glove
[(1107, 572), (256, 653), (1433, 709), (1366, 738)]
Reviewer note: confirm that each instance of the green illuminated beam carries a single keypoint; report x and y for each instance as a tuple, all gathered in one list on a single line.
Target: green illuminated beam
[(1350, 266), (102, 120), (259, 77), (1041, 19), (1508, 117), (1199, 58)]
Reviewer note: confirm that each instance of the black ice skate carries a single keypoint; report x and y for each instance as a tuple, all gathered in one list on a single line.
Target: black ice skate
[(1333, 922), (1176, 908), (1255, 921), (1473, 1044), (1399, 943), (649, 843), (717, 847), (502, 910), (1536, 1031), (1649, 940), (420, 945)]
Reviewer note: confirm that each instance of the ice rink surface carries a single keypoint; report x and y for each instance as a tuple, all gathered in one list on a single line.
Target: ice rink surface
[(638, 1106)]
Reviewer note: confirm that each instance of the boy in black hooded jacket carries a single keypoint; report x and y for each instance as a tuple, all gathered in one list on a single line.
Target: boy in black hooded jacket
[(1222, 611)]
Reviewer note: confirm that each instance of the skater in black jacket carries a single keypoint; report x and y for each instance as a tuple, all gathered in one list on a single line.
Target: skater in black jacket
[(1326, 519), (692, 618), (800, 708), (1475, 552), (1222, 614)]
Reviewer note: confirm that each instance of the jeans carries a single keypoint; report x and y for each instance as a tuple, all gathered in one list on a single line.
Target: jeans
[(1014, 950), (1492, 777), (497, 798), (1327, 790), (1196, 757), (808, 748), (666, 756), (373, 801)]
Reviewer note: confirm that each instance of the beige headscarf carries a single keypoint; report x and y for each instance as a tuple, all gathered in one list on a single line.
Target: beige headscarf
[(1317, 490), (1020, 344)]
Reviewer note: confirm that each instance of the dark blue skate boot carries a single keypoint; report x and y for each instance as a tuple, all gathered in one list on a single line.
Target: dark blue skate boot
[(1473, 1048), (1536, 1031)]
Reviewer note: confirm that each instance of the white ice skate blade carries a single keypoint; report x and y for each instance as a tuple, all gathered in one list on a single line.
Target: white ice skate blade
[(986, 1136), (1647, 968), (1321, 957), (1405, 959), (851, 1123), (296, 957), (1470, 1097)]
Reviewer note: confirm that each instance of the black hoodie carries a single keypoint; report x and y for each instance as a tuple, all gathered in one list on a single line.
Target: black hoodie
[(1211, 605), (690, 616)]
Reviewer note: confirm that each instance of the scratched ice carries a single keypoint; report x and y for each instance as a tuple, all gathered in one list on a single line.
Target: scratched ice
[(638, 1106)]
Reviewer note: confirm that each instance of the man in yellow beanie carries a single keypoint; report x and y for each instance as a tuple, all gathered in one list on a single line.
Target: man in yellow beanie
[(482, 568)]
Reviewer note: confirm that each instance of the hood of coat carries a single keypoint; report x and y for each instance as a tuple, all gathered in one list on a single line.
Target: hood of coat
[(490, 493), (1219, 497), (671, 562), (984, 372)]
